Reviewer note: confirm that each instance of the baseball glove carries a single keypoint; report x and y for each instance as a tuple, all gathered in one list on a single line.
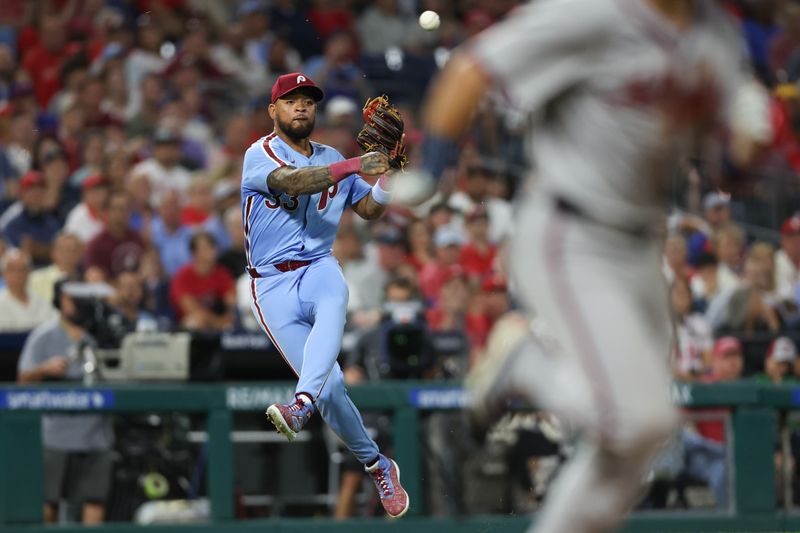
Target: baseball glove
[(383, 131)]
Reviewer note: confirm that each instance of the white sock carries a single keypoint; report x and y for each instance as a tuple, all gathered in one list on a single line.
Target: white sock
[(374, 465), (305, 398)]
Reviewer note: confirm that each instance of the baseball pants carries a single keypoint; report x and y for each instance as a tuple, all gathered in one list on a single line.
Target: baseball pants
[(303, 313), (601, 292)]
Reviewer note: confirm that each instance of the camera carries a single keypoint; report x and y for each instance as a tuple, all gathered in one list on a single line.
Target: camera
[(112, 349), (105, 325), (406, 341)]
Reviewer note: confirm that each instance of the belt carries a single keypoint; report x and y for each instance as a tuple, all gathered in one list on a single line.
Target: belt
[(568, 208), (286, 266)]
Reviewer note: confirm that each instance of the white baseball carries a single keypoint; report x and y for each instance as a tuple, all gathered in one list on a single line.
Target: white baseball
[(429, 20)]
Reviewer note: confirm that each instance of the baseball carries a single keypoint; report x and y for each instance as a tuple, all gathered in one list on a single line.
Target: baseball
[(429, 20)]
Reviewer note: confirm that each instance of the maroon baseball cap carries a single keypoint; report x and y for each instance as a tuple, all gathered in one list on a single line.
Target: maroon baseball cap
[(727, 346), (32, 178), (95, 180), (294, 80), (791, 226)]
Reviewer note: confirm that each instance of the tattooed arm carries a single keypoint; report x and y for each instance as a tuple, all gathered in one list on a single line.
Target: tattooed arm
[(310, 180), (368, 209), (297, 181)]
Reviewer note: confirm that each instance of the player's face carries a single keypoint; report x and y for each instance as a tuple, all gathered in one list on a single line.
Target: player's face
[(294, 114)]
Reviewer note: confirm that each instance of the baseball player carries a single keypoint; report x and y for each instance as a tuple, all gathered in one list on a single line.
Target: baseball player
[(614, 89), (293, 195)]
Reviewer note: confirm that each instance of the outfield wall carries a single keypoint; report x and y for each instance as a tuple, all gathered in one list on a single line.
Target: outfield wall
[(755, 410)]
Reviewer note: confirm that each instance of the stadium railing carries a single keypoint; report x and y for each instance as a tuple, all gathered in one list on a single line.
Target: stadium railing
[(755, 414)]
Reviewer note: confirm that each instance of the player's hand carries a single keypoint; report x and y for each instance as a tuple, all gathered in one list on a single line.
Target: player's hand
[(374, 164), (55, 366)]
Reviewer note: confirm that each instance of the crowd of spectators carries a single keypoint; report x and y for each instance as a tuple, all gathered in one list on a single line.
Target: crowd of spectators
[(731, 269), (123, 125)]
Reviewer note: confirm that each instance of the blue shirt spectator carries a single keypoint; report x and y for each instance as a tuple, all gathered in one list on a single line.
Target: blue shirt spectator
[(216, 227), (168, 236), (172, 243), (759, 31), (31, 228)]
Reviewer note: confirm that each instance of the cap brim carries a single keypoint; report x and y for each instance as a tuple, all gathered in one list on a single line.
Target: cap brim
[(317, 93)]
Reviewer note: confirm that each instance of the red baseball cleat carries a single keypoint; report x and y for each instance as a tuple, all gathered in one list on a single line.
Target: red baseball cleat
[(386, 476), (289, 419)]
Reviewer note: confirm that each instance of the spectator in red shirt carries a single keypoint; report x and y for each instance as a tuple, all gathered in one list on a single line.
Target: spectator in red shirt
[(478, 254), (203, 291), (486, 306), (43, 61), (328, 18), (450, 309), (117, 247), (497, 300), (455, 311), (726, 365), (704, 449)]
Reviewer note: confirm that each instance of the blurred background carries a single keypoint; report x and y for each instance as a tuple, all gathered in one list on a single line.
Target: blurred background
[(123, 124)]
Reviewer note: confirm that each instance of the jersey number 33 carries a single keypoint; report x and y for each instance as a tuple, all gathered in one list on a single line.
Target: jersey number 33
[(290, 203)]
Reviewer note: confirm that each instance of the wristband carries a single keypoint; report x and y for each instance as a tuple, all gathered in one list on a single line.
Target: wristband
[(381, 194), (342, 169), (385, 183)]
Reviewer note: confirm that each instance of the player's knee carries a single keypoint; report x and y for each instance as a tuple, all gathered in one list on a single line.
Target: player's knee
[(642, 429)]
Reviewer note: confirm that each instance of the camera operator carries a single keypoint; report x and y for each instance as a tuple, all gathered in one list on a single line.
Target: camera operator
[(77, 457), (398, 347), (127, 301)]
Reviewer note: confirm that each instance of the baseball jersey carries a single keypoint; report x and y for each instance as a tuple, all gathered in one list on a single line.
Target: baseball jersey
[(613, 91), (279, 227)]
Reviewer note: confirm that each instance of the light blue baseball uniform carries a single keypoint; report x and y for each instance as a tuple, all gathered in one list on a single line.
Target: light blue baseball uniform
[(302, 311)]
